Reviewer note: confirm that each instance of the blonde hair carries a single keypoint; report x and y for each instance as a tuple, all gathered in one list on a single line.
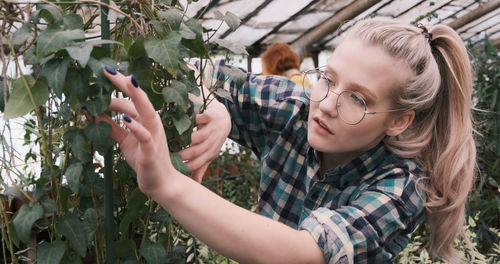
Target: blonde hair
[(441, 135)]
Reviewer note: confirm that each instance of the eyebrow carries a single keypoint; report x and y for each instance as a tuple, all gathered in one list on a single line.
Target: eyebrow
[(355, 86)]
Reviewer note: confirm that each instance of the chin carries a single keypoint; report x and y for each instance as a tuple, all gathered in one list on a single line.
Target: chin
[(318, 143)]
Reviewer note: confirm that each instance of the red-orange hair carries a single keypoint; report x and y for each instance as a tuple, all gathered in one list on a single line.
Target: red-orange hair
[(279, 58)]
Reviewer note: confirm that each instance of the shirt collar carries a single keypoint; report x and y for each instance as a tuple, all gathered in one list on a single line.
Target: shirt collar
[(352, 172)]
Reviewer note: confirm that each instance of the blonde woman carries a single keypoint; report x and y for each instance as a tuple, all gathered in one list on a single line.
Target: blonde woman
[(350, 167)]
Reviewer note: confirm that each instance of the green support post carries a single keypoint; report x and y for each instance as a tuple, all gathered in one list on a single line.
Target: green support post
[(108, 162)]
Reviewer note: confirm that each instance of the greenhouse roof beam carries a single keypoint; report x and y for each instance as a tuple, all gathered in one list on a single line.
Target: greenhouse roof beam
[(248, 17), (352, 10), (475, 14)]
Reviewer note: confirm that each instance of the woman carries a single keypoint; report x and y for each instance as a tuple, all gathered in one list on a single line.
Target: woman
[(349, 168), (281, 59)]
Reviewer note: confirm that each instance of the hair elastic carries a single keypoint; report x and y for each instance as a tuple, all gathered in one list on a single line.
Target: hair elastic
[(425, 32)]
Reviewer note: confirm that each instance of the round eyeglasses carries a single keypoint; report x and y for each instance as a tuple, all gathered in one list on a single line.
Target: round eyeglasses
[(350, 106)]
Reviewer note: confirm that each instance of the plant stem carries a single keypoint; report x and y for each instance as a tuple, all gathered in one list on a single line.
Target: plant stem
[(11, 247)]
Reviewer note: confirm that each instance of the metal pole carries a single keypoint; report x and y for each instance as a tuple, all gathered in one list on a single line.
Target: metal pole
[(108, 162)]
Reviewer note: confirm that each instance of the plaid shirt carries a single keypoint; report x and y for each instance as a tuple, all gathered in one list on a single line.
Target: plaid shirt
[(361, 212)]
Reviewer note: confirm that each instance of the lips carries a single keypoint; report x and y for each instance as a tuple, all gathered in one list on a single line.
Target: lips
[(322, 125)]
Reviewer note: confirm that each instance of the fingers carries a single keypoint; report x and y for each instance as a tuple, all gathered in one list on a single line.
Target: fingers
[(130, 86), (139, 131), (198, 174), (118, 134), (123, 105), (199, 136)]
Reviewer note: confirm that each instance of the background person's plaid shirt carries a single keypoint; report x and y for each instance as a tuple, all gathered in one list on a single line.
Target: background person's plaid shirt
[(361, 212)]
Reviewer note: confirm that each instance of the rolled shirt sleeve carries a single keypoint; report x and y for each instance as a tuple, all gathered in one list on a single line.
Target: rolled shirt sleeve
[(373, 228)]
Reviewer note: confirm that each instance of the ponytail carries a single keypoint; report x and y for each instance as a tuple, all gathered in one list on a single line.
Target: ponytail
[(441, 135)]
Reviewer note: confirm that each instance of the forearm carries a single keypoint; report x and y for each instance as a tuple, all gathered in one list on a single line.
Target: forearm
[(233, 231)]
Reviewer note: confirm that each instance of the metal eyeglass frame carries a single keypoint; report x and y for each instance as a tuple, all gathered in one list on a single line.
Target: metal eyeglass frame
[(337, 103)]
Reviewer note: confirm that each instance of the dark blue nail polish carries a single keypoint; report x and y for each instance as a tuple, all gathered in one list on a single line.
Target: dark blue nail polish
[(134, 81), (110, 70), (126, 118)]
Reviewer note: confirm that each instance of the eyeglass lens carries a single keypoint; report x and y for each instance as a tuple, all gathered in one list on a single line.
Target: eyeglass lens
[(350, 106)]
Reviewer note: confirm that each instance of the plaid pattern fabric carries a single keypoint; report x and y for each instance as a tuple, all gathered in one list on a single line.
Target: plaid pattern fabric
[(361, 212)]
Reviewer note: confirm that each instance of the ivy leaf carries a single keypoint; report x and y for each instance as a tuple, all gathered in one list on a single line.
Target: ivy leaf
[(224, 94), (165, 51), (173, 17), (161, 216), (178, 164), (137, 49), (176, 92), (186, 32), (19, 101), (47, 253), (124, 248), (50, 13), (231, 19), (97, 66), (80, 53), (55, 72), (72, 21), (53, 39), (22, 34), (72, 228), (182, 123), (89, 225), (76, 86), (99, 135), (73, 174), (76, 142), (48, 205), (235, 74), (25, 218), (154, 253), (234, 47), (98, 104)]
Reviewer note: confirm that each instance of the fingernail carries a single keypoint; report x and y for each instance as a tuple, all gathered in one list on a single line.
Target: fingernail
[(134, 81), (110, 70), (126, 118)]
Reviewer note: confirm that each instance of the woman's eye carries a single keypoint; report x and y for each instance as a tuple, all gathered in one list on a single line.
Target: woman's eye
[(357, 99)]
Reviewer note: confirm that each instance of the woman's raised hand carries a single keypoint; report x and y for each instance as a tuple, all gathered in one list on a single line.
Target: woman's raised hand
[(144, 144)]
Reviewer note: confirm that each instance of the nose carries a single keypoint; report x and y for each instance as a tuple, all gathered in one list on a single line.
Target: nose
[(329, 104)]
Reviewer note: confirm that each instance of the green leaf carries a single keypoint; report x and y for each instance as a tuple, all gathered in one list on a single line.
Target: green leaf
[(99, 135), (234, 47), (124, 248), (48, 205), (176, 92), (137, 49), (72, 228), (53, 39), (73, 174), (72, 21), (76, 86), (231, 19), (55, 71), (24, 220), (161, 216), (172, 16), (47, 253), (186, 32), (178, 164), (154, 253), (77, 143), (165, 51), (224, 94), (19, 101), (182, 123), (22, 34), (98, 104), (80, 53), (50, 13), (90, 225), (235, 74), (97, 66)]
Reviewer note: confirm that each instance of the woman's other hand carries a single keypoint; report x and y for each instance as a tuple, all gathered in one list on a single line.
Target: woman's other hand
[(144, 144), (214, 126)]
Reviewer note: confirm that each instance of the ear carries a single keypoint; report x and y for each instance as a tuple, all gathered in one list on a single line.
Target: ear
[(398, 124)]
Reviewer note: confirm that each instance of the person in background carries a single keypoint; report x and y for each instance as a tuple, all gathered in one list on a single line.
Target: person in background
[(281, 59), (381, 142)]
